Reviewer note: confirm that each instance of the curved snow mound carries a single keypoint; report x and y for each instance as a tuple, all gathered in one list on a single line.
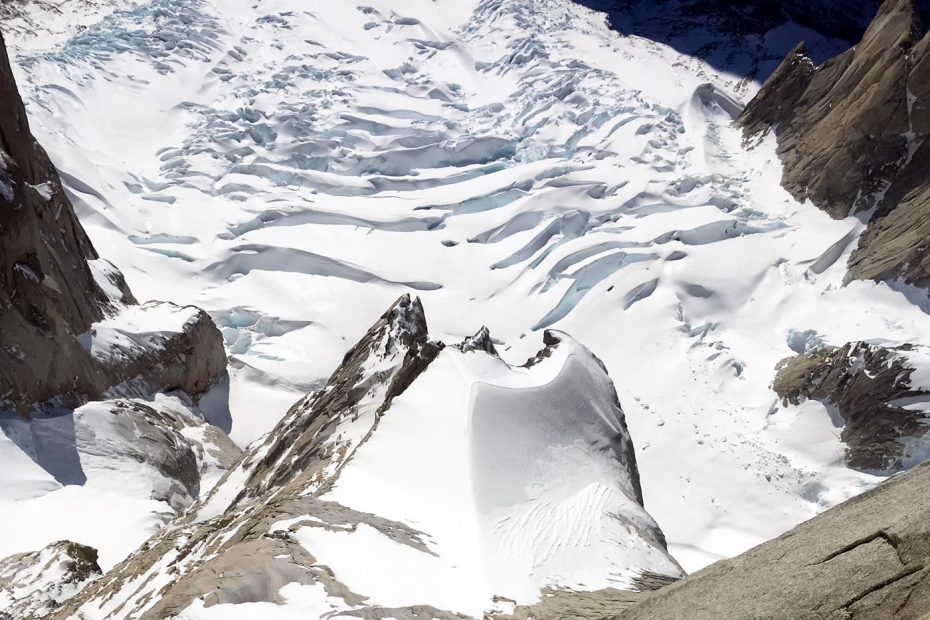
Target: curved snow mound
[(422, 479), (517, 159), (521, 477)]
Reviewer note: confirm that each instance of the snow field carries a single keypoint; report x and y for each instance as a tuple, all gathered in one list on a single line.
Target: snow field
[(294, 167)]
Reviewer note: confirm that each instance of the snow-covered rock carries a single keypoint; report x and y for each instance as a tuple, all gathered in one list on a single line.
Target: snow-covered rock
[(881, 404), (33, 585), (146, 460), (420, 476), (157, 346), (852, 135)]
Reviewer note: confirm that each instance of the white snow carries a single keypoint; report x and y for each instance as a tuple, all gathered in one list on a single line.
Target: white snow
[(135, 328), (294, 166), (38, 583), (112, 523), (511, 475)]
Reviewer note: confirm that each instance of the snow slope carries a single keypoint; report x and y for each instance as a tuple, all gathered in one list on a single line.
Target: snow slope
[(422, 477), (512, 473), (293, 167), (109, 474)]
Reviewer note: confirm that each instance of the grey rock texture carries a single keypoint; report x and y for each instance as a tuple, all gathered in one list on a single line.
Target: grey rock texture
[(852, 137), (48, 294), (867, 558), (571, 605), (192, 359), (294, 453), (868, 385), (842, 126), (34, 584), (54, 288)]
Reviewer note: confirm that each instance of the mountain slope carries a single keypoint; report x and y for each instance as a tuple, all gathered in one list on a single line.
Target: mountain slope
[(517, 161), (420, 477), (852, 136)]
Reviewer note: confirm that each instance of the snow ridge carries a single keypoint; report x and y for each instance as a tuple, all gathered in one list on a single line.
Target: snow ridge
[(420, 475)]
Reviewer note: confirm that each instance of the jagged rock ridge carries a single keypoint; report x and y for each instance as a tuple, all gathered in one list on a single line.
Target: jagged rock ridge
[(852, 136), (267, 522)]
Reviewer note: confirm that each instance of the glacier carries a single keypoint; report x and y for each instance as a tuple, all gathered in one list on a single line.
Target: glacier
[(295, 167)]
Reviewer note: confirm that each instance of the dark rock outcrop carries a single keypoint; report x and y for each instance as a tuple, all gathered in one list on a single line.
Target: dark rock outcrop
[(869, 385), (852, 137), (868, 557), (481, 341), (112, 430), (54, 288), (48, 294), (191, 358)]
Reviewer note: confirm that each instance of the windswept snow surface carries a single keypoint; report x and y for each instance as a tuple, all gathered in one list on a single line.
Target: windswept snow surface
[(516, 477), (294, 166)]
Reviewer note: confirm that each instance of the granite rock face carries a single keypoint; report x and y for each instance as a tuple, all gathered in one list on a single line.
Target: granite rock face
[(852, 135), (48, 294), (54, 290), (868, 557), (871, 389), (253, 534)]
